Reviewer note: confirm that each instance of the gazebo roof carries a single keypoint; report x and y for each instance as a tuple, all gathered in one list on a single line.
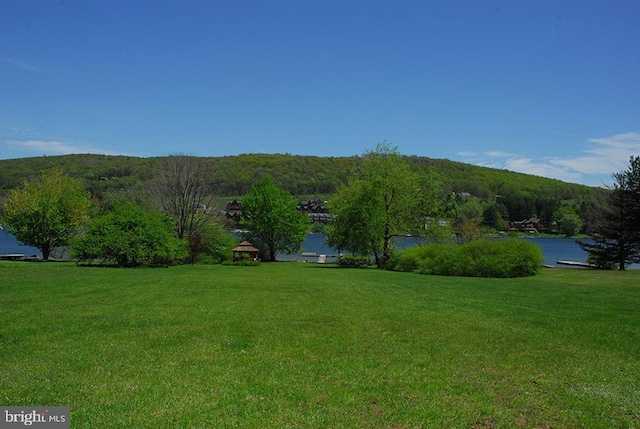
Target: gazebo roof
[(245, 246)]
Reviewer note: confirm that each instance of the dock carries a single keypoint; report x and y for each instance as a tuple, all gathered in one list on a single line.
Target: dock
[(12, 256), (321, 258), (576, 264)]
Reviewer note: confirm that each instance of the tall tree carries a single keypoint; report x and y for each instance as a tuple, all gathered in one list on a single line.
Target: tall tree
[(358, 225), (272, 219), (46, 212), (382, 200), (569, 224), (617, 234), (495, 215), (468, 220), (183, 188)]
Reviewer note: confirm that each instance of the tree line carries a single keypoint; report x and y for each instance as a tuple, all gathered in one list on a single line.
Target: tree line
[(173, 214), (171, 219), (515, 196)]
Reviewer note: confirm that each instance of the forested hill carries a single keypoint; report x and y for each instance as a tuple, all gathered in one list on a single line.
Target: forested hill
[(305, 176)]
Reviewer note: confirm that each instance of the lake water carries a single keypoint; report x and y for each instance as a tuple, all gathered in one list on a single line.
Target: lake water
[(9, 245), (553, 249)]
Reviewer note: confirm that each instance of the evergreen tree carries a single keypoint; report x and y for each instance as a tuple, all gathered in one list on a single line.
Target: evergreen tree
[(617, 234)]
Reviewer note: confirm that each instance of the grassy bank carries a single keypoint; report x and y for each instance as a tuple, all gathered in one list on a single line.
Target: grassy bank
[(302, 345)]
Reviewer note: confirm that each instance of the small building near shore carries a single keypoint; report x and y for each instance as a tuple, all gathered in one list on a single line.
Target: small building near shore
[(245, 252)]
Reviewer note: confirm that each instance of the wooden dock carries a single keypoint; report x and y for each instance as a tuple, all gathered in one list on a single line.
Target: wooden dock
[(12, 257), (576, 264), (322, 259)]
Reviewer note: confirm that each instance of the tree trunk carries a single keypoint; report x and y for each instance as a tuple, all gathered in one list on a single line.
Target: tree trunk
[(46, 252)]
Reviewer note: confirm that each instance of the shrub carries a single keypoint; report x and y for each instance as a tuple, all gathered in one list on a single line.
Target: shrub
[(352, 261), (130, 236), (406, 260), (479, 258), (242, 263), (211, 244)]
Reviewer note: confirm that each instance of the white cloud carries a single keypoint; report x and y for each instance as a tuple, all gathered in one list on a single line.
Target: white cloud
[(52, 147), (592, 166), (542, 168), (467, 153), (606, 156), (46, 146), (629, 142), (499, 154)]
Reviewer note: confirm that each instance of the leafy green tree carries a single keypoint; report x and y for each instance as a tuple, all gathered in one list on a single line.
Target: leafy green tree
[(569, 224), (382, 201), (434, 225), (495, 216), (138, 194), (563, 210), (358, 226), (617, 235), (451, 206), (272, 219), (438, 230), (129, 236), (468, 220), (46, 212), (431, 203)]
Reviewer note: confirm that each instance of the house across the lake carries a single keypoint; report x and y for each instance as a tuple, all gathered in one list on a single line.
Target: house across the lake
[(531, 225), (233, 210), (316, 209)]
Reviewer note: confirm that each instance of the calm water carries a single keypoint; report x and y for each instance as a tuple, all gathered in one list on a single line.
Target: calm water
[(9, 245), (553, 249)]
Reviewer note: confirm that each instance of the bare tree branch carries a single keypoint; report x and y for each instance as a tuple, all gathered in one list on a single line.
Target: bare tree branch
[(184, 191)]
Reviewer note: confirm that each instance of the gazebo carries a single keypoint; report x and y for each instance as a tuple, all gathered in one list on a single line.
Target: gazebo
[(245, 252)]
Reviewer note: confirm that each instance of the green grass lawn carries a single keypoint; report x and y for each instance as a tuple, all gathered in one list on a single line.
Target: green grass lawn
[(303, 345)]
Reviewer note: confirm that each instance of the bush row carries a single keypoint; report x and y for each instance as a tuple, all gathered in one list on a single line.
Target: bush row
[(352, 261), (479, 258)]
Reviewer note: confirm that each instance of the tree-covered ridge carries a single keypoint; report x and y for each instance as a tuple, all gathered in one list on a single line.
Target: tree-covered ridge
[(300, 175), (523, 195), (99, 173)]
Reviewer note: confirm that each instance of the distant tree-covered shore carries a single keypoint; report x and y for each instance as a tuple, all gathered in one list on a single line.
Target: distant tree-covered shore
[(523, 196)]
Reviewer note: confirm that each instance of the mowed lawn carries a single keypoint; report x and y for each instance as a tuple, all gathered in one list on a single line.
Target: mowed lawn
[(292, 345)]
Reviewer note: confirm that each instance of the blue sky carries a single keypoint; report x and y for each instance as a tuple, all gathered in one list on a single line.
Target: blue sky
[(550, 88)]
